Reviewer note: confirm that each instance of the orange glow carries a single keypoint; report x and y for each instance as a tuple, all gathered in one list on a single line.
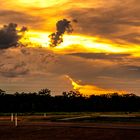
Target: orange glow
[(105, 40), (35, 39), (92, 89), (77, 43), (40, 3)]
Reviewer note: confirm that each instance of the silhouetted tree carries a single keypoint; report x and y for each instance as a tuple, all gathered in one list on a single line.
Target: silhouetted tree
[(2, 92), (45, 91), (68, 101)]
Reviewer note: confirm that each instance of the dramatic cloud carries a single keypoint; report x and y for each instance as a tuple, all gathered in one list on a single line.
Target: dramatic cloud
[(26, 69), (16, 62), (62, 26), (103, 73), (46, 69), (103, 51), (90, 89), (119, 22), (9, 35), (80, 67)]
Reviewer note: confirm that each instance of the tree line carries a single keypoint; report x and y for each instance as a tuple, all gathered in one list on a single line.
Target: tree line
[(71, 101)]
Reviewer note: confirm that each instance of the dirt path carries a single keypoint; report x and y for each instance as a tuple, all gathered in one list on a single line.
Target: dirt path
[(84, 125), (69, 131)]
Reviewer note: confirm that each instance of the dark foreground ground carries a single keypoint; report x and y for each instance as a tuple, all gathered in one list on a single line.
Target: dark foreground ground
[(69, 131)]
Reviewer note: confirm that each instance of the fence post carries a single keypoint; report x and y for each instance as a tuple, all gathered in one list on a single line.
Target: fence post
[(12, 117), (16, 120), (44, 114)]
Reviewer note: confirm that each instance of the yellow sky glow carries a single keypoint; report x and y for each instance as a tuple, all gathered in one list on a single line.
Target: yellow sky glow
[(48, 12), (78, 43), (99, 26), (39, 3), (91, 89)]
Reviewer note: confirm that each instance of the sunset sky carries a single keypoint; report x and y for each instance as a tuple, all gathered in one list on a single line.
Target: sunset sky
[(101, 55)]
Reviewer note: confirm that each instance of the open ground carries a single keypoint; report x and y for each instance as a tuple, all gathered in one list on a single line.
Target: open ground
[(70, 127)]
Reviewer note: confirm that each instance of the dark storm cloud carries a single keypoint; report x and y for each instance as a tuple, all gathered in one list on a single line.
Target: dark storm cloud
[(120, 22), (103, 56), (9, 36), (62, 26)]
